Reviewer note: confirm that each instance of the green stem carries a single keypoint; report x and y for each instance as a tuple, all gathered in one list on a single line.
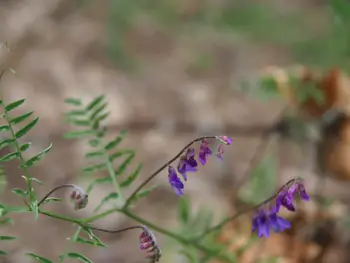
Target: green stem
[(101, 215), (115, 183), (60, 217)]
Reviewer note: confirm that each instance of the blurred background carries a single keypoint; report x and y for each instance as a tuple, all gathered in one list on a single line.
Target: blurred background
[(173, 70)]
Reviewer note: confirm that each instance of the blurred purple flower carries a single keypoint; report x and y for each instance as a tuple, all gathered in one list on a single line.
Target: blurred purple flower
[(187, 163), (175, 181), (225, 139), (204, 152), (220, 151), (286, 196), (264, 220)]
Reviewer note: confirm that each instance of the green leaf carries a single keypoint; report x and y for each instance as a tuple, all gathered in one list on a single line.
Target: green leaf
[(99, 181), (25, 147), (39, 258), (26, 128), (52, 199), (21, 118), (131, 178), (4, 128), (81, 257), (94, 142), (95, 102), (94, 168), (184, 210), (92, 236), (97, 111), (73, 101), (9, 157), (113, 195), (14, 105), (119, 154), (94, 154), (122, 167), (6, 221), (75, 113), (3, 253), (35, 180), (78, 134), (79, 122), (7, 238), (20, 192), (342, 9), (88, 242), (111, 145), (143, 193), (6, 142), (37, 157), (97, 121)]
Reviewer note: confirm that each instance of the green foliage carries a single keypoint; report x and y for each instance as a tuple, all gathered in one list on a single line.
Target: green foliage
[(80, 257), (104, 155), (16, 128), (39, 258), (261, 182)]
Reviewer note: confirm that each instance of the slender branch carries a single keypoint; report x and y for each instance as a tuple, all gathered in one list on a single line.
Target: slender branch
[(238, 214), (163, 167), (57, 188), (61, 217), (115, 231)]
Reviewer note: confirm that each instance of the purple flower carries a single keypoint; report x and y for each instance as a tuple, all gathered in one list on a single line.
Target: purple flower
[(286, 196), (225, 139), (204, 152), (263, 221), (175, 181), (187, 163)]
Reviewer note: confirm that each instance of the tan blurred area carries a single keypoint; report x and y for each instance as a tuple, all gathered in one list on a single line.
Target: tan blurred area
[(183, 82)]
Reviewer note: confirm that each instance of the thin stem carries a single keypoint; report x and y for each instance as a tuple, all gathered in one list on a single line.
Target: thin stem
[(60, 217), (101, 215), (238, 214), (57, 188), (115, 231), (154, 174)]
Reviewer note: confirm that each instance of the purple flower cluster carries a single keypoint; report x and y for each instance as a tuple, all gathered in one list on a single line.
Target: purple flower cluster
[(188, 163), (149, 244), (266, 219)]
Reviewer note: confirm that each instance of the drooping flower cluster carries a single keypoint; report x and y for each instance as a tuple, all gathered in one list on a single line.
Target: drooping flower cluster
[(267, 218), (79, 198), (149, 244), (188, 163)]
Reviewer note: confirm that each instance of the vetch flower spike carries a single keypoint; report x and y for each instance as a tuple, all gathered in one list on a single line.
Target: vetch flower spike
[(187, 163), (148, 242), (204, 152), (175, 181), (288, 193)]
